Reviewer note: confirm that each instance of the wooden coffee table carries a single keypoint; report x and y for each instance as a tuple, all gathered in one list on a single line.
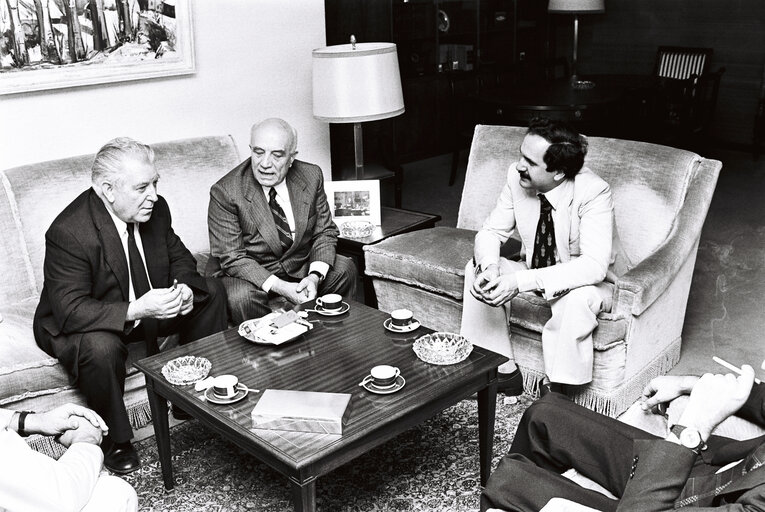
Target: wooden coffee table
[(333, 357)]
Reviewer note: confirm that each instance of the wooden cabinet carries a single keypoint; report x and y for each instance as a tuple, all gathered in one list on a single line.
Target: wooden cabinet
[(447, 50)]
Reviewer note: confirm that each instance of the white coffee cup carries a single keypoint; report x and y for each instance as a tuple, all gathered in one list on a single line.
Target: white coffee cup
[(330, 301), (384, 375), (225, 386), (400, 318)]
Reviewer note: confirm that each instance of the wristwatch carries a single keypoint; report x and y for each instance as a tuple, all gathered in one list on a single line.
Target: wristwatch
[(690, 438), (317, 274)]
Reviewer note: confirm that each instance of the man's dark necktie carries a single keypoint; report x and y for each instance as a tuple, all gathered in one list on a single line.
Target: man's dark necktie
[(137, 268), (544, 241), (282, 226)]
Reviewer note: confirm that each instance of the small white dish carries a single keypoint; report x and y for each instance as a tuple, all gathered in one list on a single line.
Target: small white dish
[(388, 324), (241, 392), (383, 390), (331, 312)]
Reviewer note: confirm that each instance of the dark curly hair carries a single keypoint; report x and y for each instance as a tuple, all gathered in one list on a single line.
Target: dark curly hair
[(567, 147)]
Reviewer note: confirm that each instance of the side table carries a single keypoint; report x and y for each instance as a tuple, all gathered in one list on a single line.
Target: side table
[(394, 221)]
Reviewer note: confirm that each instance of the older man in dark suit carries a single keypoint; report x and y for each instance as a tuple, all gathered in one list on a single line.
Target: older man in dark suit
[(115, 273), (689, 468), (271, 228)]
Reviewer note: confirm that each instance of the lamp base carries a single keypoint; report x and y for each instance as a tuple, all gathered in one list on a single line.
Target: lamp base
[(581, 84)]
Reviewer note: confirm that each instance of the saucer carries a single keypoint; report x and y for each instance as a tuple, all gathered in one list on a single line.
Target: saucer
[(388, 324), (327, 312), (369, 386), (241, 392)]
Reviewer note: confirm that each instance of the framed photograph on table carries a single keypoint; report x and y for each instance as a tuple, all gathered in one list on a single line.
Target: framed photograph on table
[(354, 200)]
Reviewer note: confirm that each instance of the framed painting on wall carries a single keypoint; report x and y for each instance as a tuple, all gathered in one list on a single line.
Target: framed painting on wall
[(354, 200), (51, 44)]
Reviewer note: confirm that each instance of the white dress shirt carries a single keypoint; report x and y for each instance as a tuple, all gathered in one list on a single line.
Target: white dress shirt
[(283, 198), (122, 230)]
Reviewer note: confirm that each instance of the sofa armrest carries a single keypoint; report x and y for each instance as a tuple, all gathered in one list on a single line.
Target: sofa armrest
[(648, 280)]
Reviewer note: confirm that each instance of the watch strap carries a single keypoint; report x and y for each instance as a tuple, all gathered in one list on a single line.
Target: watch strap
[(317, 274), (677, 430)]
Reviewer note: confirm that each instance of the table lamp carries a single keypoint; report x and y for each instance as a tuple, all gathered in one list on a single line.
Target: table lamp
[(577, 7), (353, 83)]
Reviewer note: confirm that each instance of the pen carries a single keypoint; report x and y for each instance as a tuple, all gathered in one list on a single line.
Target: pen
[(729, 366)]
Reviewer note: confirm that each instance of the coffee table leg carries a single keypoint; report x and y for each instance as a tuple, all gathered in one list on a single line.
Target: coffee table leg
[(161, 432), (304, 496), (487, 407)]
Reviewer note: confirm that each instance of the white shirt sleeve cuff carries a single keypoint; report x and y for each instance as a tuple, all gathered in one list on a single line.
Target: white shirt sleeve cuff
[(320, 267), (269, 282), (527, 280)]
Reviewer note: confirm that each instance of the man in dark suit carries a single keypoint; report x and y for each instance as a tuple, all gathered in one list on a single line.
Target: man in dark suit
[(271, 229), (690, 467), (98, 295)]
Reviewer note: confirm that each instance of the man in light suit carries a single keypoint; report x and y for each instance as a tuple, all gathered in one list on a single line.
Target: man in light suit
[(689, 468), (564, 216), (115, 273), (271, 228)]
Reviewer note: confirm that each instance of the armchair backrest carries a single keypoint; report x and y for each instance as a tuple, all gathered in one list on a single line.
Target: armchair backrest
[(680, 62), (649, 183)]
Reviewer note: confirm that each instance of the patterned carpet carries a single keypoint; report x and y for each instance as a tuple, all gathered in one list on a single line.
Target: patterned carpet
[(433, 467)]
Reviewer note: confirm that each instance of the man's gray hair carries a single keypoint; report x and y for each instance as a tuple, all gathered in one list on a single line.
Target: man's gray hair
[(284, 125), (113, 153)]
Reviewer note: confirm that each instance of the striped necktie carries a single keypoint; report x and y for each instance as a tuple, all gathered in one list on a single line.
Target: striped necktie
[(544, 241), (282, 226)]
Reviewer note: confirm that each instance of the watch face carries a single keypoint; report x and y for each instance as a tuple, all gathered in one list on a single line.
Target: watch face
[(690, 438)]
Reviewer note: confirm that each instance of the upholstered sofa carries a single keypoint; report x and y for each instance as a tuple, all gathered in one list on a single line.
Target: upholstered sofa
[(661, 197), (30, 198)]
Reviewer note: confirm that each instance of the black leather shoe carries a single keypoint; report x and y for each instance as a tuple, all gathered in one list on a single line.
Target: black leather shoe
[(121, 458), (545, 387), (180, 414), (511, 384)]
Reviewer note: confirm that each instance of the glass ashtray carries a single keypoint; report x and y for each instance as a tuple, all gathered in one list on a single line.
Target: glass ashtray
[(442, 348), (186, 370), (356, 229)]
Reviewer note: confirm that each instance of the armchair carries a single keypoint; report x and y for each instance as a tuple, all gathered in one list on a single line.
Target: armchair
[(687, 94), (661, 197)]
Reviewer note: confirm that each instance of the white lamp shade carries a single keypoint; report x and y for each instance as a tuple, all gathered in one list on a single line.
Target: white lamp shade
[(356, 85), (577, 6)]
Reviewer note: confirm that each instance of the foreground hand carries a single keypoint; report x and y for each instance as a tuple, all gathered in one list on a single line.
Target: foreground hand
[(665, 389), (308, 287), (714, 398), (85, 433), (289, 291), (160, 303), (500, 290), (62, 418), (489, 274), (187, 299)]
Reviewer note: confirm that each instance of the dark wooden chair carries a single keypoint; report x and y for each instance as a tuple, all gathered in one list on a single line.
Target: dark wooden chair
[(687, 94)]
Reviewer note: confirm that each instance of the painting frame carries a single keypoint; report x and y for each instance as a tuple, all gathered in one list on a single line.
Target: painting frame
[(78, 74), (361, 199)]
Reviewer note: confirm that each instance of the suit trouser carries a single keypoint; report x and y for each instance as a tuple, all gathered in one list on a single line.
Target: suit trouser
[(556, 434), (566, 337), (246, 301), (102, 357)]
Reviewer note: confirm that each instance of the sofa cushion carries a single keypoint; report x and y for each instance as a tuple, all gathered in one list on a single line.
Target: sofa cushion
[(421, 259), (16, 274)]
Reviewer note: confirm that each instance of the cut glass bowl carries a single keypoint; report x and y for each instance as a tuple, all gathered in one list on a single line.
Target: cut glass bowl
[(442, 348), (356, 229), (186, 370)]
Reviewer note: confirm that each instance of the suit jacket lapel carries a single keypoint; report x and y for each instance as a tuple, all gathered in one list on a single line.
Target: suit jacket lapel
[(114, 253), (562, 221), (300, 205), (260, 212)]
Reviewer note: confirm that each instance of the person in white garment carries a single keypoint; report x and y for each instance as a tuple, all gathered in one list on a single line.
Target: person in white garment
[(563, 214), (31, 481)]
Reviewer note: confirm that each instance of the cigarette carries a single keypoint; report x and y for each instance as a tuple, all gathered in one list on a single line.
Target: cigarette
[(729, 366), (175, 284)]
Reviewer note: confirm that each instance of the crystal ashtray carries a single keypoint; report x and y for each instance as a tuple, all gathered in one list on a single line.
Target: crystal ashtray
[(442, 348), (186, 370), (356, 229)]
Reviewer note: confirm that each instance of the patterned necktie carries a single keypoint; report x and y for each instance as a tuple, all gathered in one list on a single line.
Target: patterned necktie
[(137, 268), (544, 241), (282, 226)]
